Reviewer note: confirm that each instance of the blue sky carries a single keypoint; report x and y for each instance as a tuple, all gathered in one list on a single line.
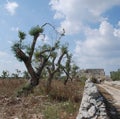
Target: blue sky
[(92, 29)]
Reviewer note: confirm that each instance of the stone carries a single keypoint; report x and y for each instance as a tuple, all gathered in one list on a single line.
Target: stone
[(99, 103), (102, 109), (92, 111), (103, 113), (102, 106), (92, 105), (93, 101), (86, 105), (85, 114)]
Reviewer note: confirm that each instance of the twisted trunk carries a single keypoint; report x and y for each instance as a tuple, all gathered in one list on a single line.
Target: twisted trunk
[(49, 81)]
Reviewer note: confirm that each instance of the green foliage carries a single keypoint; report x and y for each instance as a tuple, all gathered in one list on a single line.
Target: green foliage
[(28, 49), (15, 47), (5, 74), (21, 35), (25, 90), (45, 47), (74, 70), (50, 58), (36, 30), (64, 48), (54, 54), (115, 75)]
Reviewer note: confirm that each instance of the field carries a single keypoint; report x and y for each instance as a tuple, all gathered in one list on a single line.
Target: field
[(63, 102)]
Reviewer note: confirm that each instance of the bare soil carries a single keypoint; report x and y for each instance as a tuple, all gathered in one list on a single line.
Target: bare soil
[(111, 93)]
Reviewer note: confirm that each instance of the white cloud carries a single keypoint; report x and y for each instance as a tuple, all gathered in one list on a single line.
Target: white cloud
[(11, 7), (100, 48), (76, 13), (119, 23), (15, 29)]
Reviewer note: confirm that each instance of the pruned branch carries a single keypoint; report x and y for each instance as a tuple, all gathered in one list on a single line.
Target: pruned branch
[(32, 47), (61, 34)]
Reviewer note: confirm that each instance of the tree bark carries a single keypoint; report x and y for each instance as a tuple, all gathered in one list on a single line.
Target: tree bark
[(49, 81)]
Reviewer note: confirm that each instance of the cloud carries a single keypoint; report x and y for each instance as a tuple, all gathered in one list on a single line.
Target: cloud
[(2, 54), (100, 48), (11, 7), (75, 14)]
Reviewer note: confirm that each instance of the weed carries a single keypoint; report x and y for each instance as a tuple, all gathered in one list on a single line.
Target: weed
[(51, 112)]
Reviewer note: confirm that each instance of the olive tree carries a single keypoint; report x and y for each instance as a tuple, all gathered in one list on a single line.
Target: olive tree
[(5, 74), (30, 53), (57, 62), (16, 74)]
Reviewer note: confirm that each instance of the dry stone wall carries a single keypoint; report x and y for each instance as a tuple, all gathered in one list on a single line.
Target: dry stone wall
[(92, 105)]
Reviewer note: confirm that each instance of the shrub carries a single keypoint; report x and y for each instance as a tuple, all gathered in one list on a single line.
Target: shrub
[(115, 75)]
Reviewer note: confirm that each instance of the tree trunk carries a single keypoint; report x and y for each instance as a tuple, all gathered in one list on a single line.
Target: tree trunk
[(34, 80), (66, 80), (49, 81)]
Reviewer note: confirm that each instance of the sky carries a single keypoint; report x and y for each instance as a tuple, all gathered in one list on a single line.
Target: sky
[(92, 29)]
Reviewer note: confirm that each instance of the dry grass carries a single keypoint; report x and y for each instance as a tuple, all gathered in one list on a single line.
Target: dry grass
[(72, 91), (8, 87), (62, 102)]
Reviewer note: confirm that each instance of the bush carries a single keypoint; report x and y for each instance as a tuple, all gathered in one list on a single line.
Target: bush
[(115, 75)]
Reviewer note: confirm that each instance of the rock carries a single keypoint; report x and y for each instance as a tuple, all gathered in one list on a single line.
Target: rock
[(92, 111)]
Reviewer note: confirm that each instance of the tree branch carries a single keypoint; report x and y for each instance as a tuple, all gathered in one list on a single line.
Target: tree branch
[(32, 47), (61, 34), (60, 58), (41, 66), (21, 54), (53, 63)]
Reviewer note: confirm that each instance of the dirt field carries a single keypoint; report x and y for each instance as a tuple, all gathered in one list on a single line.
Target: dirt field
[(63, 101), (111, 92)]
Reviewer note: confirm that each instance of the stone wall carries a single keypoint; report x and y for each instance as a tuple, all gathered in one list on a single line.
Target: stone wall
[(92, 105)]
